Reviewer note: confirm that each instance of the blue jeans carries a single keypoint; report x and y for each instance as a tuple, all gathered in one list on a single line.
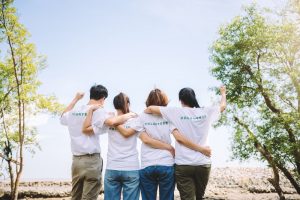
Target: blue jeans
[(115, 180), (153, 176)]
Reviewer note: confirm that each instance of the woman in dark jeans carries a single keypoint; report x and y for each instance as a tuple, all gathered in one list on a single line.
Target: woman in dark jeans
[(192, 168)]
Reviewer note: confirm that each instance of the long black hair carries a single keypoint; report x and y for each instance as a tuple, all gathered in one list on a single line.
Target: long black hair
[(188, 97)]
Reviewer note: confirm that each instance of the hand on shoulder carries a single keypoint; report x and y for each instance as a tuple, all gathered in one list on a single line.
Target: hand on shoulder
[(95, 107)]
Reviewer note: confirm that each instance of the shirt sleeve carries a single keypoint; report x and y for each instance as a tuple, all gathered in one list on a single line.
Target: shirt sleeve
[(169, 114), (213, 113), (137, 124), (140, 133), (172, 127), (64, 118), (98, 121)]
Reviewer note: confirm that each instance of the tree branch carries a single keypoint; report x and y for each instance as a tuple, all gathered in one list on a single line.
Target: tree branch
[(9, 159), (273, 163), (273, 108)]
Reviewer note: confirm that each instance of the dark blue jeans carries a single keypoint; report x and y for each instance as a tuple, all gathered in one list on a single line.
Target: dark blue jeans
[(153, 176)]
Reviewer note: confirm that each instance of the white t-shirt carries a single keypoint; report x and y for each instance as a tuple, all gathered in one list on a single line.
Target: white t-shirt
[(194, 124), (122, 152), (81, 143), (98, 119), (159, 129)]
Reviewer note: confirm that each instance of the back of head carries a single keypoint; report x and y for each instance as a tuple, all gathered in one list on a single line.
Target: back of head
[(121, 102), (98, 92), (188, 97), (157, 98)]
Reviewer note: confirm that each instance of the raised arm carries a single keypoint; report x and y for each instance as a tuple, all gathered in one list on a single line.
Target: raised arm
[(126, 132), (156, 144), (153, 110), (189, 144), (223, 98), (78, 96)]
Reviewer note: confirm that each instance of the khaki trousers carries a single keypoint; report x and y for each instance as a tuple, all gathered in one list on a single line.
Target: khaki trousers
[(86, 177)]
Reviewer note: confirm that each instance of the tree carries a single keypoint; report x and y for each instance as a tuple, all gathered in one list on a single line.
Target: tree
[(257, 57), (295, 5), (19, 97)]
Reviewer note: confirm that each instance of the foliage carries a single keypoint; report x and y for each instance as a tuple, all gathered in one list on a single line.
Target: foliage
[(19, 97), (257, 57)]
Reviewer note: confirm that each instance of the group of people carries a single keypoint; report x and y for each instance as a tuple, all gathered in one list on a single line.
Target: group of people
[(188, 164)]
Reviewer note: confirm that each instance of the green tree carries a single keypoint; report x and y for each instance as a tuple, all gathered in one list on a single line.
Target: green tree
[(19, 97), (257, 57)]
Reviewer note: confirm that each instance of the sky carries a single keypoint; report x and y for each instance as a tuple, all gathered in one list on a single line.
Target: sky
[(129, 46)]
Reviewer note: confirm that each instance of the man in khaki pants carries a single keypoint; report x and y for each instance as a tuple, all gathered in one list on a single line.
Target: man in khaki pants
[(87, 162)]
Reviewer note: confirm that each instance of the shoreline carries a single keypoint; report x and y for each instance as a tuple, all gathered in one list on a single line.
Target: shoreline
[(232, 183), (69, 179)]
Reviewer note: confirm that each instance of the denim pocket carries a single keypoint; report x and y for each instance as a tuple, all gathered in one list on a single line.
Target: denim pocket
[(166, 171), (110, 175), (132, 175)]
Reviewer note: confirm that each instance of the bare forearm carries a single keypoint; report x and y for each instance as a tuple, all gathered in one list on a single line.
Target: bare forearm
[(78, 96), (126, 132), (223, 102), (117, 120), (71, 105), (223, 98), (87, 124), (153, 110), (156, 144), (186, 142), (122, 119)]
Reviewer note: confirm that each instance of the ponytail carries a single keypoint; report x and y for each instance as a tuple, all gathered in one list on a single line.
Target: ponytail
[(121, 102)]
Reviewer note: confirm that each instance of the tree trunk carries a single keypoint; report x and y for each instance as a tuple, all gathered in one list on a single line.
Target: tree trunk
[(289, 176), (21, 138), (275, 182), (11, 176), (272, 106), (295, 142), (16, 187), (263, 150), (266, 154)]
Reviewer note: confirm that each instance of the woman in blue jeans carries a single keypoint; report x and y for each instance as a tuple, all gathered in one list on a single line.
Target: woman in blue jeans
[(157, 154), (122, 169)]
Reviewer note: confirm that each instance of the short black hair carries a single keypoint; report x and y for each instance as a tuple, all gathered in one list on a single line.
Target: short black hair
[(98, 92)]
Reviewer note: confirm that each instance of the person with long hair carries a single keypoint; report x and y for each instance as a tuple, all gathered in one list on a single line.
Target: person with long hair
[(192, 169), (157, 154), (122, 169)]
